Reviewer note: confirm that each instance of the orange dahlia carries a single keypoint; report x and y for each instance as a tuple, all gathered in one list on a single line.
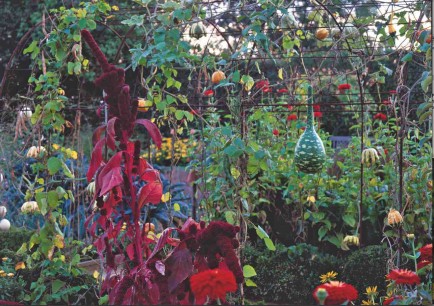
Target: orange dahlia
[(213, 283), (337, 293), (403, 276)]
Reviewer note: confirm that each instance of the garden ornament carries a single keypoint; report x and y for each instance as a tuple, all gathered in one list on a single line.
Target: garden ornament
[(309, 152)]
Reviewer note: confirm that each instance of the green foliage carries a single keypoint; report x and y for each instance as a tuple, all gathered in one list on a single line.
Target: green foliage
[(288, 274), (366, 267), (13, 239)]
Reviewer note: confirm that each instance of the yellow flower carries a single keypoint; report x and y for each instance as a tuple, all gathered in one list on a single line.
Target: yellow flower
[(115, 8), (10, 274), (371, 291), (368, 302), (311, 199), (74, 154), (328, 276), (351, 240), (20, 265), (4, 258), (56, 146)]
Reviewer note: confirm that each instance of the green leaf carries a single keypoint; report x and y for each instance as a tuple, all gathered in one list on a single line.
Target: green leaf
[(269, 243), (91, 24), (408, 57), (52, 199), (250, 283), (71, 68), (103, 300), (261, 233), (54, 165), (179, 114), (230, 217), (56, 285), (249, 271), (348, 219), (236, 76), (30, 48), (322, 232), (66, 171)]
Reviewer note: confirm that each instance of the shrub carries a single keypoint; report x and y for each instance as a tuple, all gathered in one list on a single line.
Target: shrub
[(366, 267), (289, 273), (14, 238)]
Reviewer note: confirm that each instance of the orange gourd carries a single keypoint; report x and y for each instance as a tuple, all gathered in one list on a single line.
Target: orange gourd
[(217, 77)]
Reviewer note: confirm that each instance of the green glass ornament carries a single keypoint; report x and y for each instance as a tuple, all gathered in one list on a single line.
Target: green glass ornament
[(310, 154)]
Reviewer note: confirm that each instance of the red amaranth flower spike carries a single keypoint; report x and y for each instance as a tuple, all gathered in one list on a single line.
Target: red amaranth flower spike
[(96, 50)]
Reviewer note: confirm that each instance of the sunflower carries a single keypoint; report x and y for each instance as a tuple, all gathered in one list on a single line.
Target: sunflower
[(328, 276)]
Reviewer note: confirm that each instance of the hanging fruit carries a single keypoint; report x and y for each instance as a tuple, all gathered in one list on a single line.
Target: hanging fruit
[(5, 225), (322, 33), (310, 154), (217, 77), (369, 156), (197, 30), (3, 212), (390, 27)]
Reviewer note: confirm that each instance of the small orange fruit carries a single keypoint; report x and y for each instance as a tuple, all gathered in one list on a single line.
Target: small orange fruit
[(322, 34), (217, 77)]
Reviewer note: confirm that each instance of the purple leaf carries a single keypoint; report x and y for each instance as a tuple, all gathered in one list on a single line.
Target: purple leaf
[(180, 263), (161, 268)]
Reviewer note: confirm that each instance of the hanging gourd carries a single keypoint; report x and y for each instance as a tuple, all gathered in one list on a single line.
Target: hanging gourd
[(309, 151)]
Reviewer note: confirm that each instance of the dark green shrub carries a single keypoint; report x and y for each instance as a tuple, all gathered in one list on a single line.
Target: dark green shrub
[(14, 238), (366, 267), (289, 274)]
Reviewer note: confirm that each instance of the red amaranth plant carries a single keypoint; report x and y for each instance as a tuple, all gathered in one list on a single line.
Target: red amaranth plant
[(136, 269)]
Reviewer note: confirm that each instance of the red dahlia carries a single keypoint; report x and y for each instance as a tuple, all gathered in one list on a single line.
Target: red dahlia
[(262, 84), (380, 116), (337, 293), (213, 283), (426, 253), (344, 86), (403, 276), (291, 117), (208, 93)]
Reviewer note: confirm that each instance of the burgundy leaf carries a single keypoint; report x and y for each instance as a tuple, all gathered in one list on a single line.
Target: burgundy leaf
[(150, 193), (130, 251), (153, 131), (111, 126), (97, 134), (180, 263), (150, 175), (114, 162), (165, 235), (111, 179), (161, 268), (96, 159)]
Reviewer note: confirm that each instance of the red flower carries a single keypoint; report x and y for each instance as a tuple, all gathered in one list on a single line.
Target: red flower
[(423, 263), (316, 108), (317, 114), (289, 107), (385, 151), (403, 276), (303, 128), (337, 292), (291, 117), (261, 84), (282, 90), (343, 87), (426, 252), (380, 116), (213, 283), (208, 93), (388, 301), (267, 89), (276, 132)]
